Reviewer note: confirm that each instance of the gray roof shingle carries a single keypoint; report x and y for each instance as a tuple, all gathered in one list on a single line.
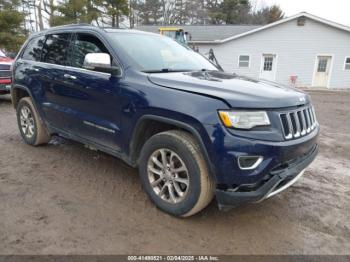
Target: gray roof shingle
[(205, 32)]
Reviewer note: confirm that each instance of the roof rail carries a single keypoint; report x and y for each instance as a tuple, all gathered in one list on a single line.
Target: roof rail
[(72, 25), (112, 27)]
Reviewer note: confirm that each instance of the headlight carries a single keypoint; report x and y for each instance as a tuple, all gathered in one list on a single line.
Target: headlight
[(244, 119)]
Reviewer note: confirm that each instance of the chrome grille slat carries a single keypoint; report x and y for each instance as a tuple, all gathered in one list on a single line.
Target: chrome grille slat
[(289, 126), (5, 74), (303, 132), (313, 118), (314, 114), (308, 121), (297, 133), (299, 122), (5, 67)]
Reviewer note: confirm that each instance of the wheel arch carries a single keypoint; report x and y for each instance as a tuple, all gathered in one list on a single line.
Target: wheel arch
[(18, 92), (146, 124)]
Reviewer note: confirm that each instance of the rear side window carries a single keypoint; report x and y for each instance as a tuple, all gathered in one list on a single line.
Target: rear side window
[(33, 49), (55, 49), (85, 44)]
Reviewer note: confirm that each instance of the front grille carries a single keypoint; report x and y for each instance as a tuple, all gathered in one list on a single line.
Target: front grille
[(5, 67), (299, 122), (5, 74)]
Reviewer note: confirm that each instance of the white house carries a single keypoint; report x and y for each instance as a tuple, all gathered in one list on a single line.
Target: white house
[(302, 50)]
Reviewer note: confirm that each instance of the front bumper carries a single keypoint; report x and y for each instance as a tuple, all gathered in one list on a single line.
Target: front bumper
[(278, 180)]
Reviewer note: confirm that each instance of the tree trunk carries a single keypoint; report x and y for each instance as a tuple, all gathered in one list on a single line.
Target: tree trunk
[(113, 20), (131, 16), (35, 16), (40, 16), (52, 10)]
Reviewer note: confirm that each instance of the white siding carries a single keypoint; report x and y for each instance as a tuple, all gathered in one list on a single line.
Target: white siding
[(296, 49)]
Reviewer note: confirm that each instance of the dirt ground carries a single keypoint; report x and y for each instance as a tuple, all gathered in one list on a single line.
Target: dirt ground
[(66, 199)]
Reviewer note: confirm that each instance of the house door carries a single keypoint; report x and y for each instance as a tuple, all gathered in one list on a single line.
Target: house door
[(268, 67), (323, 66)]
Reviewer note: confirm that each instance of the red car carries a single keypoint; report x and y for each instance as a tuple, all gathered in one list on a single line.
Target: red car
[(5, 73)]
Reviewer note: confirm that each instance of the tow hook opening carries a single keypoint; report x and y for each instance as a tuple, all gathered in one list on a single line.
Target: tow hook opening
[(249, 162)]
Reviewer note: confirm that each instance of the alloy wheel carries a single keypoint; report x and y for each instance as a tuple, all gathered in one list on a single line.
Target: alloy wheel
[(27, 122), (168, 175)]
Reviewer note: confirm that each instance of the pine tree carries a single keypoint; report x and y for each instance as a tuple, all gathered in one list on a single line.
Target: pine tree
[(267, 15), (12, 34), (273, 14), (214, 9), (115, 9), (235, 11), (150, 11), (76, 11)]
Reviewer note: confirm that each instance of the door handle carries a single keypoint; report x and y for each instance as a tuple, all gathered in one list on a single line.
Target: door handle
[(68, 76)]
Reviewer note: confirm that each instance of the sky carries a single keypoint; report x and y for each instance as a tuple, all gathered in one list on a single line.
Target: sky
[(334, 10)]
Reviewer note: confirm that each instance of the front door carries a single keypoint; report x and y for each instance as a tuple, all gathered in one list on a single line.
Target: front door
[(94, 96), (268, 67), (323, 66)]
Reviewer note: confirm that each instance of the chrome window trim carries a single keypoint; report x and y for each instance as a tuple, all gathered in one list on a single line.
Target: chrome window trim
[(70, 67)]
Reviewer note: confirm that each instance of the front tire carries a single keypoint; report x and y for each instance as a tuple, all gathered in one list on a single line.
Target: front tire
[(31, 127), (174, 173)]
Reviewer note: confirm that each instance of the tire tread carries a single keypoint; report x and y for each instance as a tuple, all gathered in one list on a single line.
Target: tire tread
[(207, 183)]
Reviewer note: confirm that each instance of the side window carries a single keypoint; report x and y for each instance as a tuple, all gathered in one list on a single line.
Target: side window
[(85, 44), (55, 49), (33, 49)]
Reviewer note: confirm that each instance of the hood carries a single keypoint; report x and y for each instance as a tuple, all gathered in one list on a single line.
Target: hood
[(237, 91)]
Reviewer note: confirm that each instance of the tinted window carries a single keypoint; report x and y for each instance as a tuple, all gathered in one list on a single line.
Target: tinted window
[(33, 49), (85, 44), (55, 49)]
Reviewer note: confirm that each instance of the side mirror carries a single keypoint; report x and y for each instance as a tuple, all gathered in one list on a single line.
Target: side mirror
[(101, 62)]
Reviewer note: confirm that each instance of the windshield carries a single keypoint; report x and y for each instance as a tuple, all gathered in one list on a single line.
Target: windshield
[(2, 54), (159, 53)]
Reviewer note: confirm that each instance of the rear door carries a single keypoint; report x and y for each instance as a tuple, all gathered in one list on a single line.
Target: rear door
[(52, 75)]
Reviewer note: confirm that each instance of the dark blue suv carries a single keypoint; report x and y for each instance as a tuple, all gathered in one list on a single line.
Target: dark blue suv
[(193, 131)]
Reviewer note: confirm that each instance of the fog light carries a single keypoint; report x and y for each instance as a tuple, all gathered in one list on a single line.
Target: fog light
[(249, 162)]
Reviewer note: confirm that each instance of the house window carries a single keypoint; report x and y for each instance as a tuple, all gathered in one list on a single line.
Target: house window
[(347, 63), (244, 61)]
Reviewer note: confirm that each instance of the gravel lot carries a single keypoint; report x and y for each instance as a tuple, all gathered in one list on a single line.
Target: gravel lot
[(66, 199)]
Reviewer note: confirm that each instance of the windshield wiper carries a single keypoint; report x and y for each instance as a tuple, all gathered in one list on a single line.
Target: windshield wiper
[(166, 70)]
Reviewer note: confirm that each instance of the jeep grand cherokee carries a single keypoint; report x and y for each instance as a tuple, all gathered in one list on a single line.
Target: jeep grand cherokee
[(193, 131)]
